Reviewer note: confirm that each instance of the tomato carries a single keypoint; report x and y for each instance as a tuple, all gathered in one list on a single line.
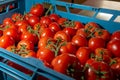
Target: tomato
[(45, 20), (6, 41), (25, 44), (62, 35), (67, 64), (12, 48), (83, 54), (83, 32), (1, 33), (69, 47), (103, 34), (54, 26), (103, 54), (96, 42), (79, 41), (13, 33), (114, 46), (61, 21), (91, 26), (45, 54), (30, 37), (78, 25), (98, 71), (37, 9), (21, 22), (46, 32), (17, 17), (7, 21), (32, 20), (115, 66), (115, 35), (54, 17), (70, 31)]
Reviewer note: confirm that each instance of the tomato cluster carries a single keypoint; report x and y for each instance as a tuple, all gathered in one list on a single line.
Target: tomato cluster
[(82, 51)]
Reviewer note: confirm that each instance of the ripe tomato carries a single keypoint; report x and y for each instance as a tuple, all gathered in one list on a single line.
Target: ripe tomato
[(25, 44), (103, 34), (45, 54), (69, 47), (98, 71), (54, 17), (96, 42), (91, 26), (83, 54), (114, 46), (32, 20), (70, 31), (13, 33), (30, 37), (61, 35), (37, 9), (45, 20), (7, 21), (17, 17), (54, 26), (78, 25), (103, 54), (6, 41), (65, 63), (61, 21), (115, 35), (79, 41)]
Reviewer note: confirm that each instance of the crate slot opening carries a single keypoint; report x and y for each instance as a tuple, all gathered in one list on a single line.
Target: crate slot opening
[(104, 16), (117, 19), (61, 8)]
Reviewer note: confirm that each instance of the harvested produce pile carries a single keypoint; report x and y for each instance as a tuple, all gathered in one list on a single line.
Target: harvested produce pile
[(82, 51)]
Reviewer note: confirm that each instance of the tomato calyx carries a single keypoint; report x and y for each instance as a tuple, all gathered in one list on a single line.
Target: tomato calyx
[(55, 46)]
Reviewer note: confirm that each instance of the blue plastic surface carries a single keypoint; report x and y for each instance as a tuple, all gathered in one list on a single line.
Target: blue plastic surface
[(9, 73)]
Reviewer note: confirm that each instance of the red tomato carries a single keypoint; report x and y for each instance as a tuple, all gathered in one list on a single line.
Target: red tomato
[(37, 9), (83, 54), (17, 17), (95, 43), (13, 33), (45, 54), (114, 46), (103, 54), (32, 20), (25, 44), (7, 21), (78, 25), (91, 26), (69, 47), (65, 63), (46, 32), (70, 31), (6, 41), (100, 71), (103, 34), (30, 37), (61, 21), (115, 35), (54, 17), (54, 26), (83, 32), (79, 41), (61, 35), (45, 20)]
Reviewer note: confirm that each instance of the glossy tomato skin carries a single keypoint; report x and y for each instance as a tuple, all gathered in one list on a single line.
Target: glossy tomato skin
[(83, 54), (114, 46), (17, 17), (96, 42), (54, 17), (37, 9), (100, 71), (7, 21), (32, 20), (79, 41), (115, 35), (78, 25), (6, 41), (82, 32), (45, 20), (65, 62), (45, 54)]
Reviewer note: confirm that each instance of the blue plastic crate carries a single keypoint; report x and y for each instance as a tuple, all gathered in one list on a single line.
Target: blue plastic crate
[(9, 73)]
